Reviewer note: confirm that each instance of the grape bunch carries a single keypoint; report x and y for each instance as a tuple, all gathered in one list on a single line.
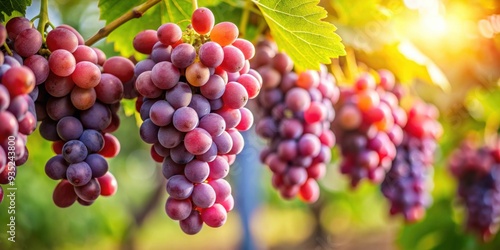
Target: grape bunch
[(407, 184), (369, 126), (192, 91), (77, 97), (477, 170), (298, 111), (17, 112)]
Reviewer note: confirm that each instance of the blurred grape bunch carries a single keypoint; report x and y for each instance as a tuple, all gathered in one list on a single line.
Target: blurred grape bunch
[(407, 184), (297, 110), (477, 170), (369, 126)]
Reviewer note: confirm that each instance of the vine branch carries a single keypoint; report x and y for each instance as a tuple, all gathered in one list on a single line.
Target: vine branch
[(43, 17), (136, 12)]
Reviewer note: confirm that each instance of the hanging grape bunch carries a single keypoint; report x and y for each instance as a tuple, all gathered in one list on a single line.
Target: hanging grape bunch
[(368, 127), (298, 110), (408, 182), (17, 109), (477, 170), (77, 97), (193, 88)]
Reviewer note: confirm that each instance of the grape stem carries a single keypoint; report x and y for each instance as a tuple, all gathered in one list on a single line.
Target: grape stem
[(7, 49), (337, 71), (136, 12), (244, 17), (352, 66), (195, 4), (43, 17)]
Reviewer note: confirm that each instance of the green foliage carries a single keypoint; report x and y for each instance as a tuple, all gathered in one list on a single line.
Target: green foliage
[(483, 104), (179, 11), (7, 7), (297, 28), (364, 25)]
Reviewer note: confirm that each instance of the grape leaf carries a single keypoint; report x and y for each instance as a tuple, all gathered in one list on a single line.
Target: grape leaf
[(298, 29), (176, 11), (179, 11), (8, 6)]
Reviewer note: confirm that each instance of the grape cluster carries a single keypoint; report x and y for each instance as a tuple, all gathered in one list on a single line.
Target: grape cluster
[(369, 126), (298, 110), (477, 170), (192, 91), (407, 184), (17, 112), (77, 97)]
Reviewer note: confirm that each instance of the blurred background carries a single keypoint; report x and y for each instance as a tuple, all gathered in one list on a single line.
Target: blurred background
[(446, 51)]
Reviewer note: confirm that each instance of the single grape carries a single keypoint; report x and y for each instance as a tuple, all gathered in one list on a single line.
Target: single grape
[(211, 54), (62, 62), (28, 42), (62, 38), (110, 89), (86, 75), (64, 194), (83, 99), (74, 151), (69, 128), (202, 20), (183, 55), (120, 67), (178, 209), (90, 191), (145, 40), (197, 74), (92, 139), (179, 187), (203, 195), (108, 184), (79, 174), (19, 80), (169, 33), (224, 33), (97, 164), (56, 167), (192, 224)]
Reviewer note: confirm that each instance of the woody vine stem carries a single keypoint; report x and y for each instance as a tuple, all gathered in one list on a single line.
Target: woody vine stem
[(136, 12)]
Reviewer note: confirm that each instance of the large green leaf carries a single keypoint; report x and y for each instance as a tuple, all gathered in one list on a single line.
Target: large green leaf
[(298, 29), (176, 11), (9, 6)]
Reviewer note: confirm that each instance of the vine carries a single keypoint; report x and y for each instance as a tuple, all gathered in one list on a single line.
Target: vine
[(136, 12)]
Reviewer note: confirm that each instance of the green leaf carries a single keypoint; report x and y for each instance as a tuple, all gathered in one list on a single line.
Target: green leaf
[(179, 11), (298, 29), (175, 11), (9, 6)]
